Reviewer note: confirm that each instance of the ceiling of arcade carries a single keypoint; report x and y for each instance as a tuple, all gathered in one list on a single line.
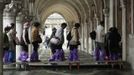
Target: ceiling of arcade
[(71, 10)]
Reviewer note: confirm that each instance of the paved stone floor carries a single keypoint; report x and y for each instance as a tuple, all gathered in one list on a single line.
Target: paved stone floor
[(84, 58), (45, 54), (65, 72)]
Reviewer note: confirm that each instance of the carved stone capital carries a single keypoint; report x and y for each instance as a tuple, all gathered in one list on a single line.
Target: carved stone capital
[(2, 5), (106, 11), (123, 3), (13, 8)]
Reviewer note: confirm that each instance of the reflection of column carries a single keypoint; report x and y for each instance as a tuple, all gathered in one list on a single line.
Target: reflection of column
[(19, 28), (106, 19), (124, 36)]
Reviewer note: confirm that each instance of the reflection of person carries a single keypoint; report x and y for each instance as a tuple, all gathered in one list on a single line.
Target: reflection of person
[(74, 42)]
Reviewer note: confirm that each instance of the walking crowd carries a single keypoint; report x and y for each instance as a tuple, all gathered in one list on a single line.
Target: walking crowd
[(106, 46), (55, 42)]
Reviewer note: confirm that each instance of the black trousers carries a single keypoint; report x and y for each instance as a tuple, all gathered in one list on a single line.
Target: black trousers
[(35, 46)]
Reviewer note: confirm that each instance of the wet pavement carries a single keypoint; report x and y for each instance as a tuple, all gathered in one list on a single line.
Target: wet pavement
[(73, 72)]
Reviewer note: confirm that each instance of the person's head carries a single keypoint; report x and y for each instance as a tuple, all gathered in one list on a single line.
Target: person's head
[(12, 25), (26, 25), (54, 29), (110, 29), (6, 29), (102, 23), (77, 25), (63, 25), (115, 29), (36, 24)]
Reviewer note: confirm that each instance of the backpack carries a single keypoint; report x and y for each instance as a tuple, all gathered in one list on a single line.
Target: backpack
[(69, 37)]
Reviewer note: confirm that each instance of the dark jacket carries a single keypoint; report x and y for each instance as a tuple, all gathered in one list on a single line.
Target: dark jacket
[(113, 40)]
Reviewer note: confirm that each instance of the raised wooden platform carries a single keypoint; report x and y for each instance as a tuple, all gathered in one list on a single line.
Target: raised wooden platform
[(69, 65), (122, 64)]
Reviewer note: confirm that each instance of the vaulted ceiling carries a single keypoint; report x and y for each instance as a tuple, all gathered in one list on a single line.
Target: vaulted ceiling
[(71, 10)]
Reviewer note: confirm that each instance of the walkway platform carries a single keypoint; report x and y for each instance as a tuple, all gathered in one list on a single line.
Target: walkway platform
[(86, 61)]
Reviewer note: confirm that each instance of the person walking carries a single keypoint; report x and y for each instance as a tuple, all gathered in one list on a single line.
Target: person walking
[(74, 43), (36, 39)]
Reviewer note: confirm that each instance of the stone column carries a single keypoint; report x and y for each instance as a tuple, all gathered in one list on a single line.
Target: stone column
[(106, 19), (82, 36), (111, 13), (10, 12), (2, 6), (87, 33), (19, 29), (1, 36), (124, 31), (132, 17), (30, 47), (116, 13), (31, 14), (96, 21), (85, 37), (91, 44), (8, 16)]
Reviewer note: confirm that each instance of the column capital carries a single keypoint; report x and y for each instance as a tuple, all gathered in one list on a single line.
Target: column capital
[(3, 3), (123, 3), (13, 8), (106, 11)]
